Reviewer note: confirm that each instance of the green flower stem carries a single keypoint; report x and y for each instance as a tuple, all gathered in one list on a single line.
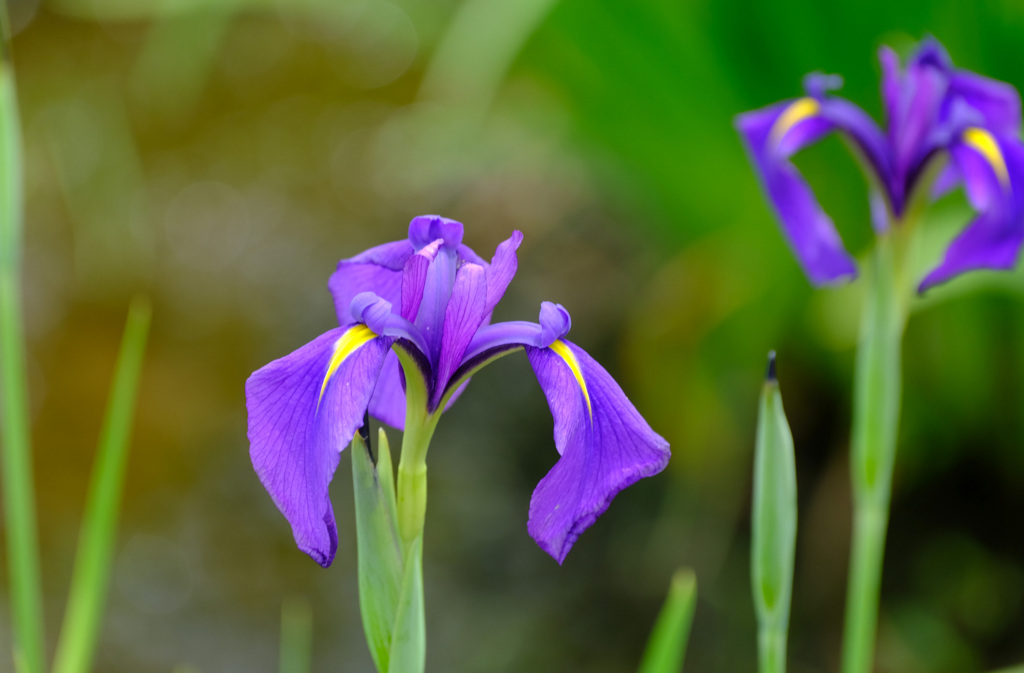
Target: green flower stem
[(877, 387), (412, 466), (16, 455)]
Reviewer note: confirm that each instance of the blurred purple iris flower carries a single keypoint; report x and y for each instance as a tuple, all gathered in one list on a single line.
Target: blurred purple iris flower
[(932, 109), (432, 297)]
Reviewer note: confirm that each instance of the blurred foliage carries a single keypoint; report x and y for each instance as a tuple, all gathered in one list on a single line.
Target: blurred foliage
[(222, 156)]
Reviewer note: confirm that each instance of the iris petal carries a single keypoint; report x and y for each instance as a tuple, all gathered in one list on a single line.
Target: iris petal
[(603, 450), (463, 317), (994, 238), (377, 270), (810, 232), (296, 436), (502, 269)]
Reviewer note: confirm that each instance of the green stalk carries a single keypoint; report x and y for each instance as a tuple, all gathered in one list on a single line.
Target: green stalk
[(412, 466), (84, 614), (16, 457), (876, 409)]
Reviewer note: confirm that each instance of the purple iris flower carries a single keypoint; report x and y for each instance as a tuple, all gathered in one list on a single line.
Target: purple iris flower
[(933, 109), (432, 297)]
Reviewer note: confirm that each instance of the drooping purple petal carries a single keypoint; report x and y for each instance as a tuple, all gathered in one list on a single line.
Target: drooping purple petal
[(997, 102), (605, 446), (388, 402), (809, 231), (995, 184), (377, 270), (301, 418), (463, 316)]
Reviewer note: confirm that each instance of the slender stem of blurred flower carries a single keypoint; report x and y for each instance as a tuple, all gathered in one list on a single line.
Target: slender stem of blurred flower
[(877, 386), (296, 636), (16, 456), (86, 598)]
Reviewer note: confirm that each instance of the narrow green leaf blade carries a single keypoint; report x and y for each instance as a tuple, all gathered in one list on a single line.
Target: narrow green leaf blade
[(15, 442), (84, 614), (666, 647), (774, 520), (296, 636), (409, 637), (379, 546)]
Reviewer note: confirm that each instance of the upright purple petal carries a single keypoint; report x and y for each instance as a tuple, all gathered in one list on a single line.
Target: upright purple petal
[(605, 446), (767, 135), (464, 315), (377, 270), (502, 269), (994, 179), (414, 278), (426, 229), (303, 411)]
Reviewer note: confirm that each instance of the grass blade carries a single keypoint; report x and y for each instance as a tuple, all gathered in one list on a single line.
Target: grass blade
[(666, 647), (16, 455), (84, 613), (296, 636)]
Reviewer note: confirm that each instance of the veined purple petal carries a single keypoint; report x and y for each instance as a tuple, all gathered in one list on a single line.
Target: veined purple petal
[(414, 278), (304, 409), (994, 178), (377, 270), (810, 232), (605, 446), (436, 291), (463, 316), (502, 269)]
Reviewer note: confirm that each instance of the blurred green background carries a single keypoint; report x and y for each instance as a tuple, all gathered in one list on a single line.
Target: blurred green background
[(222, 156)]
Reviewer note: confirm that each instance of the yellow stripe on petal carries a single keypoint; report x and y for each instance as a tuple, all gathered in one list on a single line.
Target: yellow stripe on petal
[(798, 111), (349, 343), (562, 350), (982, 141)]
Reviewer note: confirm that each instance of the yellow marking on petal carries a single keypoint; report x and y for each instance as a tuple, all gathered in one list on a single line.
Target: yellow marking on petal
[(798, 111), (983, 142), (562, 350), (346, 345)]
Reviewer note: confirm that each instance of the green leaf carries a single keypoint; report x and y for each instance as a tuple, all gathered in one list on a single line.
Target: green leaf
[(379, 545), (774, 525), (409, 637), (666, 647), (84, 614), (296, 636), (15, 442)]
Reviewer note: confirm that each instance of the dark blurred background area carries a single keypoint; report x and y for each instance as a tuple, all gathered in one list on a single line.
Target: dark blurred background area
[(222, 156)]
